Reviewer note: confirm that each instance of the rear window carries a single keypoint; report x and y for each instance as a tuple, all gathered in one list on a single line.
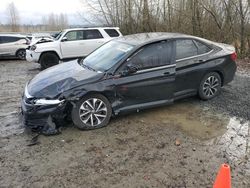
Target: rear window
[(112, 32), (185, 48), (202, 48)]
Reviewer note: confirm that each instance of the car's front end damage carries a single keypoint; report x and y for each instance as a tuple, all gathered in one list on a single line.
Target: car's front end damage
[(48, 98), (43, 115)]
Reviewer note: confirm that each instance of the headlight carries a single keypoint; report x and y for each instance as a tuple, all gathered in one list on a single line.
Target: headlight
[(26, 93), (40, 102), (33, 47)]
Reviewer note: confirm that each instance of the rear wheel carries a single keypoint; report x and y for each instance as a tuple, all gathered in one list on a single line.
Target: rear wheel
[(91, 112), (21, 54), (210, 86), (48, 59)]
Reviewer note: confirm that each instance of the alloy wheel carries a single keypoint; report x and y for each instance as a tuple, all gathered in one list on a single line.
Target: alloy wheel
[(21, 54), (93, 112), (210, 86)]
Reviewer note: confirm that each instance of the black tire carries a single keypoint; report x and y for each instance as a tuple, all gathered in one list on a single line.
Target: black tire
[(48, 59), (210, 86), (21, 54), (83, 109)]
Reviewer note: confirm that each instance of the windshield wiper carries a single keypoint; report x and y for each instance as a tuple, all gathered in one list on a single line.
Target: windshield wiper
[(88, 67)]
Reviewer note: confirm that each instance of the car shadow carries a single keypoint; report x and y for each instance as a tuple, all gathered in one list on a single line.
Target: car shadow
[(9, 59)]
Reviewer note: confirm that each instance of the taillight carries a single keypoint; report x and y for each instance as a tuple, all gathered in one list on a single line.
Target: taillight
[(233, 56)]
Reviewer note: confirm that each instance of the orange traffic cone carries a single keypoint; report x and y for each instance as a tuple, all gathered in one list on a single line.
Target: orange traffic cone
[(223, 179)]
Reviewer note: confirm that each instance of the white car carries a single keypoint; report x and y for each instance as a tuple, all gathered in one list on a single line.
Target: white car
[(69, 44), (39, 38), (13, 45)]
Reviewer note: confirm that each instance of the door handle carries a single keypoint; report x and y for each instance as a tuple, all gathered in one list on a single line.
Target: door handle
[(166, 73), (201, 60)]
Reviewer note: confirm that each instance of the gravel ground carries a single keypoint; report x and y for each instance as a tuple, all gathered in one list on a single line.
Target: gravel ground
[(234, 98), (181, 145)]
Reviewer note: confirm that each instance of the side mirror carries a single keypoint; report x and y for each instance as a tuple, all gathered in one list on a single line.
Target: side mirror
[(130, 69), (64, 39)]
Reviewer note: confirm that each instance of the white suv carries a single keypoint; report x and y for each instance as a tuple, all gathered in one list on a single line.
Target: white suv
[(70, 43), (13, 45)]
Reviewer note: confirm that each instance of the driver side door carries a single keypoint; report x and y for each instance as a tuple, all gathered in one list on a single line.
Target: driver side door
[(72, 47), (152, 83)]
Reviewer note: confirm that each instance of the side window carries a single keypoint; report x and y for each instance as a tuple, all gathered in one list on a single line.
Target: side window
[(153, 55), (7, 39), (202, 48), (92, 34), (74, 35), (4, 39), (14, 39), (185, 48), (112, 32)]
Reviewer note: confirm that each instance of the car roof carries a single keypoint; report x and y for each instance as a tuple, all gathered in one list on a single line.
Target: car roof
[(145, 38), (85, 28), (12, 35), (38, 34)]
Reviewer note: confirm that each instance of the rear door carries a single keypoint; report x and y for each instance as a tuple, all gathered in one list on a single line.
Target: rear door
[(191, 56), (153, 83)]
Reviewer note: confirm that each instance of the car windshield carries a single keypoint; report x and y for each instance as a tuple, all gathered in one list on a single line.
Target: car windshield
[(58, 35), (107, 55)]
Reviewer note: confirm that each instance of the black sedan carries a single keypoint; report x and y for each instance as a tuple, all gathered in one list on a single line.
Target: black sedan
[(130, 73)]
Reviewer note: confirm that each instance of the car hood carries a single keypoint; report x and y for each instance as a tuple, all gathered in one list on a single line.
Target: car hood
[(49, 44), (57, 79), (41, 40)]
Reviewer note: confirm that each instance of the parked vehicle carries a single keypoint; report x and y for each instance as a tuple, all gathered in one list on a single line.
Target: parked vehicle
[(130, 73), (70, 43), (13, 45), (39, 38)]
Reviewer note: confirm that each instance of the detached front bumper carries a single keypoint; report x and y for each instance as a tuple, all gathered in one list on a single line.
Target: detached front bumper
[(42, 117)]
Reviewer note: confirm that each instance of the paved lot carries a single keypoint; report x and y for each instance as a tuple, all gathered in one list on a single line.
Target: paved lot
[(181, 145)]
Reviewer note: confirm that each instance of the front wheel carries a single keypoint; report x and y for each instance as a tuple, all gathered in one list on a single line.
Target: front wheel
[(91, 112), (48, 59), (210, 86)]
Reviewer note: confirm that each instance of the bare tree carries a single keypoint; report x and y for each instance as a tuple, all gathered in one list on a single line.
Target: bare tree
[(220, 20), (54, 22), (63, 21), (243, 13), (13, 16)]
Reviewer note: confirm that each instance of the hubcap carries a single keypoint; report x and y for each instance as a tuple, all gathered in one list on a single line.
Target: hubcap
[(93, 112), (21, 54), (210, 86)]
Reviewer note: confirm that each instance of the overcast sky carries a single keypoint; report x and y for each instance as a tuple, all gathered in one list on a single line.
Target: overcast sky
[(31, 11)]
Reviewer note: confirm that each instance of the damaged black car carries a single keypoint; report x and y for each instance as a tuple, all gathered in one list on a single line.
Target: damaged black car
[(127, 74)]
